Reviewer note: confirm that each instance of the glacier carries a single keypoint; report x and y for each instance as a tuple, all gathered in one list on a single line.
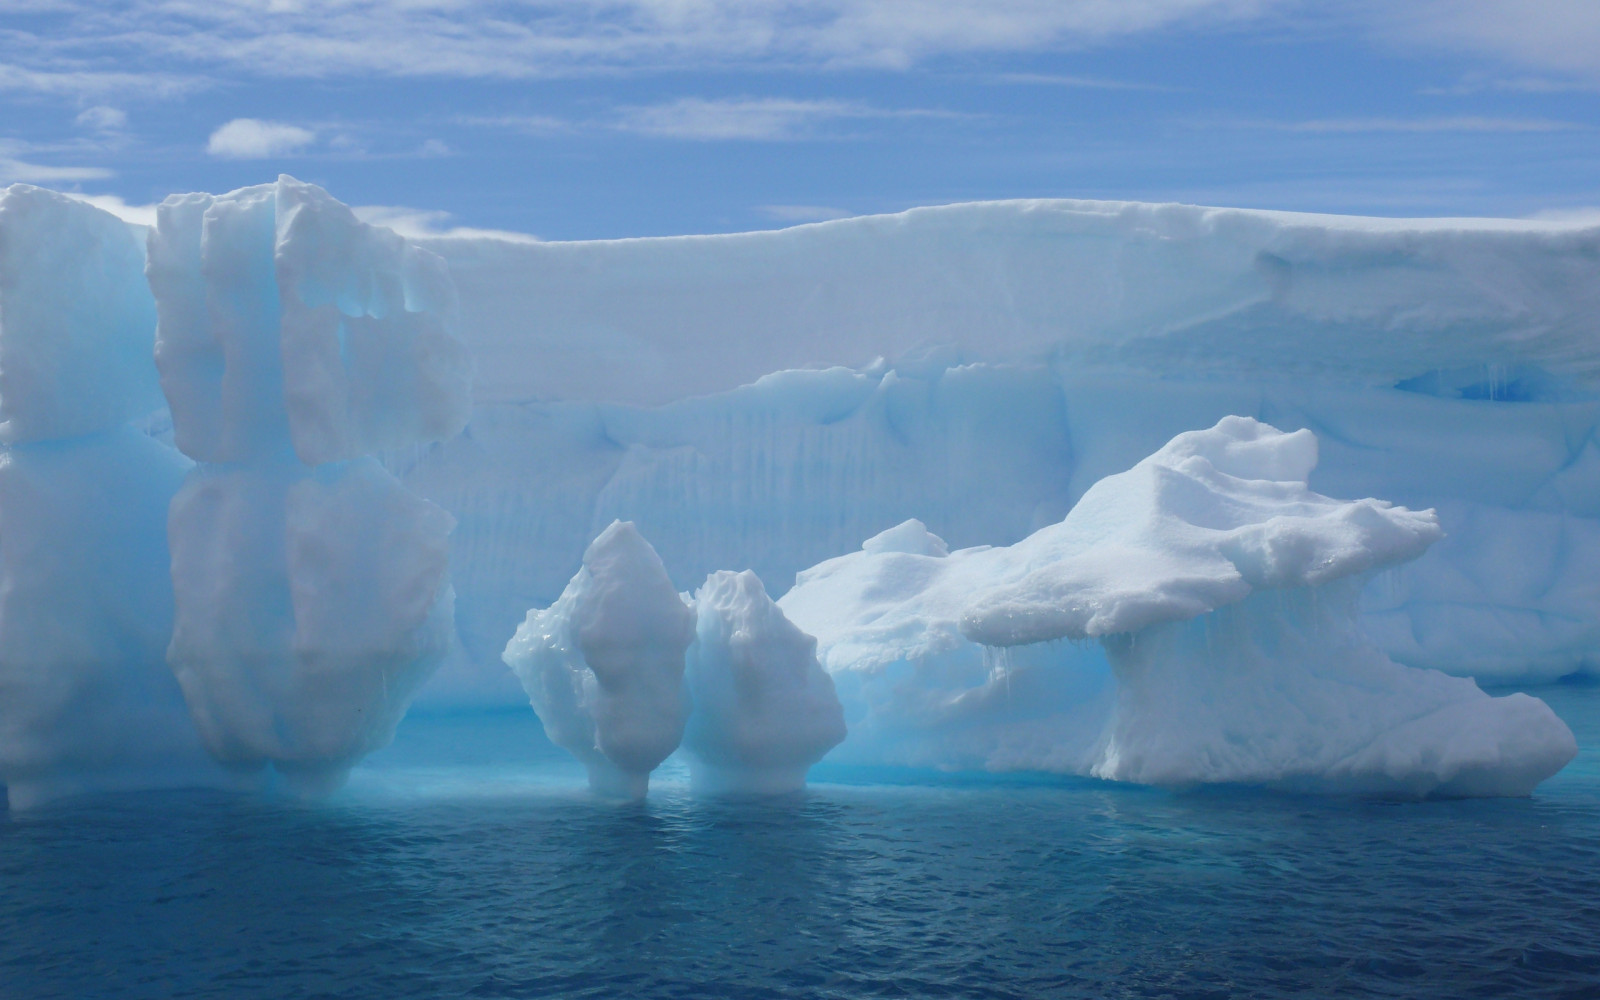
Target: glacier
[(324, 472)]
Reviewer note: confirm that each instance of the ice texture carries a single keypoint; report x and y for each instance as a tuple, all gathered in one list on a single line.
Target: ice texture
[(86, 700), (992, 361), (285, 322), (311, 604), (1224, 593), (603, 666), (76, 319), (312, 589), (764, 709)]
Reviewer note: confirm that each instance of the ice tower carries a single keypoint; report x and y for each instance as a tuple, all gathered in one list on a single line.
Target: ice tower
[(313, 595)]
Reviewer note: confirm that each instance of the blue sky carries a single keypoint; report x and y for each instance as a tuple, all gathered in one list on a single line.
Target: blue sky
[(575, 119)]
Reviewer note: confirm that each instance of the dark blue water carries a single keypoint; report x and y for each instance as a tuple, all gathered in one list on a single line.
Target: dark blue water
[(465, 861)]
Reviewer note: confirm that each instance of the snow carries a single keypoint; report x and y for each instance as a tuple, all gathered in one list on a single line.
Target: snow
[(603, 666), (1162, 288), (1224, 593), (764, 709)]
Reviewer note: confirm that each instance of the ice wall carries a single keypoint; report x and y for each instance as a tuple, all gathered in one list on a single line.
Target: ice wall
[(1223, 592), (86, 700), (312, 588), (999, 359)]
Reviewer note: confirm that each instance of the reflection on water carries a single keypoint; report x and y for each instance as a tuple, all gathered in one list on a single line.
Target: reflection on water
[(467, 861)]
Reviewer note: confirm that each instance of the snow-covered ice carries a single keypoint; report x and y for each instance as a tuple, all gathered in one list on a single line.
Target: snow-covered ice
[(1224, 593), (603, 666)]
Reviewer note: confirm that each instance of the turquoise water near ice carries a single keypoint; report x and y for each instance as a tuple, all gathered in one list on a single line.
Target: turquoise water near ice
[(467, 861)]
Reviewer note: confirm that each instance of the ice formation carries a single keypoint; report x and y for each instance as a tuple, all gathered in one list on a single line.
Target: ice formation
[(1223, 591), (997, 359), (76, 320), (980, 367), (312, 589), (86, 701), (764, 709), (603, 666)]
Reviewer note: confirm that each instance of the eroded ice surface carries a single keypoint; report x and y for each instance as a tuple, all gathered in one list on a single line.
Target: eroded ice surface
[(1223, 592), (603, 666), (764, 709)]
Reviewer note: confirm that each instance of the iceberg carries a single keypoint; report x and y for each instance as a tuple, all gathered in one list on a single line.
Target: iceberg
[(1223, 593), (358, 516), (603, 666), (764, 709)]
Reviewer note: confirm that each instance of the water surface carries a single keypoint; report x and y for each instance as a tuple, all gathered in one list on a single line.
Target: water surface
[(467, 861)]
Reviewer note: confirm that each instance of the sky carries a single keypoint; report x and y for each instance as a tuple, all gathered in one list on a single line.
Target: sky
[(580, 119)]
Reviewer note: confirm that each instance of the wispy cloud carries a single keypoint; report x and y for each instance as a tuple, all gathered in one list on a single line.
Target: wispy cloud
[(1560, 36), (13, 171), (422, 223), (803, 213), (525, 38), (143, 215), (1460, 123), (765, 119), (1514, 85), (102, 118), (253, 139), (1356, 125), (89, 84), (1079, 82)]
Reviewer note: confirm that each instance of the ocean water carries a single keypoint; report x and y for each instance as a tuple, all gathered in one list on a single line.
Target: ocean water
[(466, 861)]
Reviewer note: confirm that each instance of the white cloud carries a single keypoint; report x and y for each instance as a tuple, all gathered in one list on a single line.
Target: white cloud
[(422, 223), (1551, 35), (102, 118), (89, 84), (253, 139), (1079, 82), (13, 171), (751, 118), (1462, 123), (803, 213), (143, 215), (523, 38)]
